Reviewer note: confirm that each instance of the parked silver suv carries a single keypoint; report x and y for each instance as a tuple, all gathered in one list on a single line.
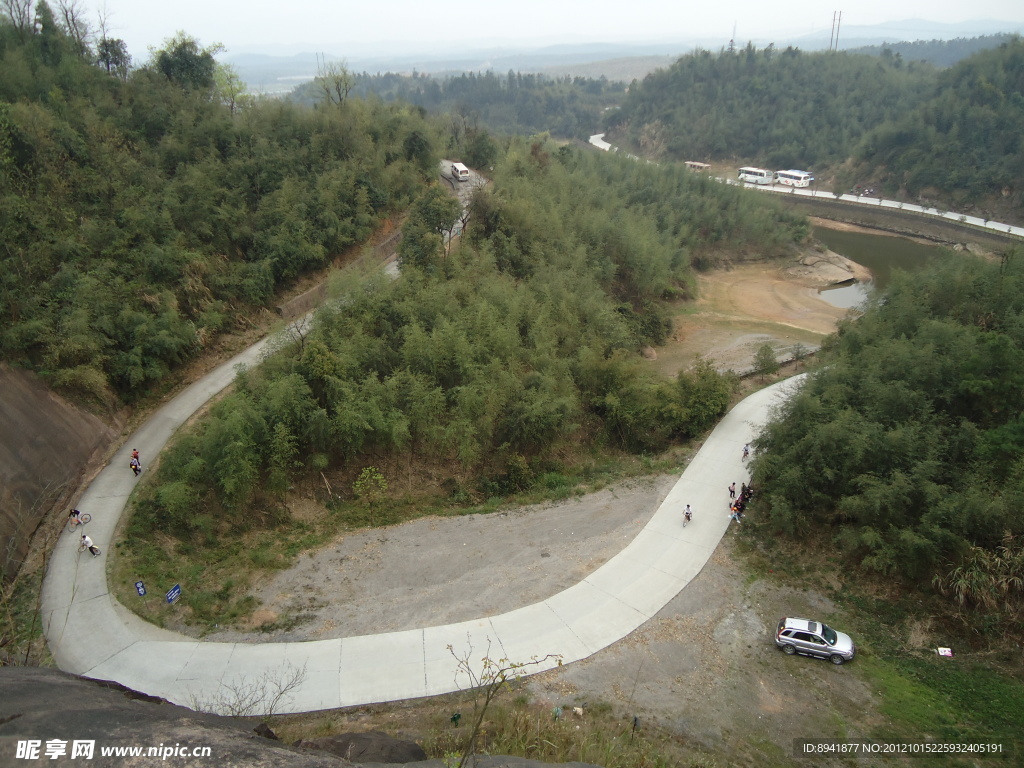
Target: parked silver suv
[(814, 639)]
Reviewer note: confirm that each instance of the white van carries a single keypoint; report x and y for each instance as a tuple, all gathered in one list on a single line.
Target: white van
[(460, 172)]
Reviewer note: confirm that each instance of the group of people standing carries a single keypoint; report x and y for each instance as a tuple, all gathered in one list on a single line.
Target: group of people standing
[(738, 503)]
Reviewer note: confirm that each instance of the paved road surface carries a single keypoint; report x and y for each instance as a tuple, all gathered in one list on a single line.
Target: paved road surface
[(91, 634)]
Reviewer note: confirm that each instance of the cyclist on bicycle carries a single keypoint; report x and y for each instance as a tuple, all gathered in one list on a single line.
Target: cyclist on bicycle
[(87, 543), (74, 517)]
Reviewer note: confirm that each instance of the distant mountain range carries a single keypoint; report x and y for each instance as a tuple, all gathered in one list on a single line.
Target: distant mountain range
[(267, 72)]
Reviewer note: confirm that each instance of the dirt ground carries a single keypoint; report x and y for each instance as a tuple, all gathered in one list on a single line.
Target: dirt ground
[(441, 570), (707, 671), (704, 669), (741, 308)]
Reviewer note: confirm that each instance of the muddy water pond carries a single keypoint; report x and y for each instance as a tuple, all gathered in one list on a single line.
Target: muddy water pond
[(882, 254)]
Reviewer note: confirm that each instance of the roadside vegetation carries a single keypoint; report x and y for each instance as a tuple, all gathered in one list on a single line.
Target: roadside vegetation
[(907, 446), (973, 697), (963, 141)]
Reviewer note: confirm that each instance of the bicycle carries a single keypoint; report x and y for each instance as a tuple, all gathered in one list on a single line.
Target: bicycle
[(82, 548), (80, 520)]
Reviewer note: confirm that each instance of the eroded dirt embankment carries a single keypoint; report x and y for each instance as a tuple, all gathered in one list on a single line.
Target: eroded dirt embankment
[(46, 443)]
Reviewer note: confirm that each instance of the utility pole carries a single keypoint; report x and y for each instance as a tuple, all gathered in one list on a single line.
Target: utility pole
[(832, 36), (732, 43), (838, 24)]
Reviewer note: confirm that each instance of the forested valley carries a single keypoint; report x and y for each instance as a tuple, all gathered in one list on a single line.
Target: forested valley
[(146, 209)]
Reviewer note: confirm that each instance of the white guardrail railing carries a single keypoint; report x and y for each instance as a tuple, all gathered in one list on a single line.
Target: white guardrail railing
[(874, 202)]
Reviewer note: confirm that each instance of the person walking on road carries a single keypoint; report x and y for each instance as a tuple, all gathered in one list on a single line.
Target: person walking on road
[(732, 491), (687, 515), (746, 450)]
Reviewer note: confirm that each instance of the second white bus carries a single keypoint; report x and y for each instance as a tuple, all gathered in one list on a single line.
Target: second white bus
[(756, 176), (793, 178)]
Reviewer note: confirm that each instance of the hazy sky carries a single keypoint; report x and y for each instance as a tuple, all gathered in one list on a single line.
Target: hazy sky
[(331, 25)]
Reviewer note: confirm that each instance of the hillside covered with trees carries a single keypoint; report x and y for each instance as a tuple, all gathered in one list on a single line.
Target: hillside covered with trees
[(964, 140), (142, 209), (788, 108), (941, 53), (906, 448), (905, 127), (516, 103)]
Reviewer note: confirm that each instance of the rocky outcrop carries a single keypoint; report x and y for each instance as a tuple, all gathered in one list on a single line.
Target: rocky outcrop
[(824, 268), (368, 747), (46, 705)]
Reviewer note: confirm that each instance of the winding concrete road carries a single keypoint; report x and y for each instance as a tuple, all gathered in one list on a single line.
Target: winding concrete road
[(91, 634)]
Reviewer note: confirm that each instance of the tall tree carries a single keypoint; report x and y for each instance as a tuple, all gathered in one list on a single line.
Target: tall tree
[(183, 61), (112, 55)]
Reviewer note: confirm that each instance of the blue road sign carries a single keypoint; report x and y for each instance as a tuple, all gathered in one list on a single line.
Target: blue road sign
[(140, 588), (174, 593)]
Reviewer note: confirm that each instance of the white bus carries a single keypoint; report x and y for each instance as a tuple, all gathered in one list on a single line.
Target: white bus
[(794, 178), (756, 176)]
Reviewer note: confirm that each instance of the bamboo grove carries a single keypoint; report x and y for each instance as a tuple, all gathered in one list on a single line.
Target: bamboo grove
[(514, 350)]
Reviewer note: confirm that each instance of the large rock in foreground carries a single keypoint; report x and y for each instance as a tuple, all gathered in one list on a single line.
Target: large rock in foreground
[(56, 709), (47, 705)]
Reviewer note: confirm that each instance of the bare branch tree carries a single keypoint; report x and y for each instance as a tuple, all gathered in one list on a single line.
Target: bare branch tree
[(486, 681), (20, 14), (71, 17), (335, 80), (103, 22), (261, 696)]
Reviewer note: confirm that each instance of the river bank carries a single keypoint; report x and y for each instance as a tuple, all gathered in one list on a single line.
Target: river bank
[(741, 308)]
